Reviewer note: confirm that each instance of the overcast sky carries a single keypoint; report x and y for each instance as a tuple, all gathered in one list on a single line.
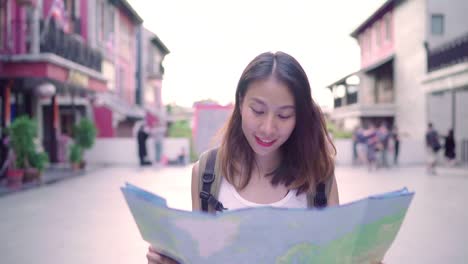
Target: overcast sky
[(211, 41)]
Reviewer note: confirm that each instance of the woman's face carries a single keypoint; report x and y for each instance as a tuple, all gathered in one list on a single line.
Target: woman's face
[(268, 115)]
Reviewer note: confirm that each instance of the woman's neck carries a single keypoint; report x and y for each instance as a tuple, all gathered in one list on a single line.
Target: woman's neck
[(268, 163)]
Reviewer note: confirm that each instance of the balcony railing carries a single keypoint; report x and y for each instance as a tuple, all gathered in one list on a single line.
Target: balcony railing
[(68, 46), (453, 52)]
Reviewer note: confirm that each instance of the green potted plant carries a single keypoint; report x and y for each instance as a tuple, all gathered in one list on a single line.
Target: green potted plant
[(22, 132), (75, 156), (84, 134), (37, 161)]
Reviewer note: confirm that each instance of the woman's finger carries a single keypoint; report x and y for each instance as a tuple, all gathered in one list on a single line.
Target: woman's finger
[(152, 249), (154, 258)]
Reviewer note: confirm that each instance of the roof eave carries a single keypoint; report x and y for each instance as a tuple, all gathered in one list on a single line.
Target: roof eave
[(364, 24), (341, 80), (129, 9), (158, 43)]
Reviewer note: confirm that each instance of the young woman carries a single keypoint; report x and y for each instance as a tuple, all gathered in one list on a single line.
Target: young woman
[(276, 148)]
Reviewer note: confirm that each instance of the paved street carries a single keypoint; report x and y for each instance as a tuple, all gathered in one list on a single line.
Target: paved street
[(86, 220)]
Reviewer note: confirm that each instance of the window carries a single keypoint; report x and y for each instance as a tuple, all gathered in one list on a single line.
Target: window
[(125, 39), (377, 34), (437, 24), (150, 62), (361, 44), (369, 40), (98, 27), (105, 23), (157, 62), (388, 28), (2, 25), (120, 81), (76, 9)]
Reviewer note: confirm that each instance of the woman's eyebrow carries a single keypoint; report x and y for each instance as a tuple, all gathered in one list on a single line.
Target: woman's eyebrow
[(287, 107), (257, 100)]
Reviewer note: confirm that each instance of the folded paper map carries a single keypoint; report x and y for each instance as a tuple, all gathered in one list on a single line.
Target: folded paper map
[(357, 232)]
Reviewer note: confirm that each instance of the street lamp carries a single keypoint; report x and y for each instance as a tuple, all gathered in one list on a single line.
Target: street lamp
[(339, 91), (352, 80), (46, 90)]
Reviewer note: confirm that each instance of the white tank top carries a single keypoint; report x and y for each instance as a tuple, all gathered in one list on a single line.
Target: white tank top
[(231, 199)]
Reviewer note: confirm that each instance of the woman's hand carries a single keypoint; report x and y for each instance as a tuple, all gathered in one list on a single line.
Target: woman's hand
[(156, 258)]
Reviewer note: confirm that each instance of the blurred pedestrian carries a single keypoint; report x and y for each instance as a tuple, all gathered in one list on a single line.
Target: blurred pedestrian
[(432, 148), (361, 146), (373, 145), (384, 136), (396, 144), (449, 148), (260, 162), (158, 136), (142, 136)]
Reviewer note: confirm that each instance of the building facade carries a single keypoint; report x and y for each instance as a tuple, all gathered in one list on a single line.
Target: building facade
[(115, 35), (395, 42), (63, 60), (446, 88), (48, 69), (150, 72)]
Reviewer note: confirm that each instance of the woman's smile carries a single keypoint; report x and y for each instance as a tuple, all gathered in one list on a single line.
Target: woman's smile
[(264, 142)]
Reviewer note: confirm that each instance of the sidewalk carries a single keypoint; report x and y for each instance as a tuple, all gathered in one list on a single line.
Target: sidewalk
[(50, 175), (453, 170)]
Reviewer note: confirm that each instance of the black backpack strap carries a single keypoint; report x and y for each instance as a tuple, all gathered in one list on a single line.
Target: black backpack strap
[(208, 178), (320, 199)]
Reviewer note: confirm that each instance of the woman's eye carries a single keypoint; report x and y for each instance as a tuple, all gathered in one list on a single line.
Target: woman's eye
[(257, 112), (284, 116)]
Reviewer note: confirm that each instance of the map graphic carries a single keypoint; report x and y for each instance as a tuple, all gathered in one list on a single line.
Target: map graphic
[(357, 232)]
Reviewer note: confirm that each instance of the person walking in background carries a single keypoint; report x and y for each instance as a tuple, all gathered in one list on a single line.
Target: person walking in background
[(396, 144), (432, 148), (182, 156), (158, 136), (361, 146), (372, 146), (449, 148), (355, 143), (384, 136), (142, 136)]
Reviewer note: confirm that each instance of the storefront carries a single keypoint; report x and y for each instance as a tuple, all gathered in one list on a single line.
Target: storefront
[(54, 91)]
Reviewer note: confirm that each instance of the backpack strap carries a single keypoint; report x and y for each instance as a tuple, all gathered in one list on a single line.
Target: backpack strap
[(319, 199), (209, 178)]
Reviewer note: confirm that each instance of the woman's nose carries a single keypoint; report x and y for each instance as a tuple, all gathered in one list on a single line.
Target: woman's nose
[(268, 126)]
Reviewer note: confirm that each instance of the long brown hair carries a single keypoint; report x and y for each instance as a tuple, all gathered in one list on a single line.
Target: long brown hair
[(307, 157)]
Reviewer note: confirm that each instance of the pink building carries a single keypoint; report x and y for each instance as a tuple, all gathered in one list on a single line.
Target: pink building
[(48, 67), (375, 36), (367, 96), (115, 110), (208, 120)]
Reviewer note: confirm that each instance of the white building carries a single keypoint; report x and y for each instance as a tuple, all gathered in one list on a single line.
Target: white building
[(397, 85)]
